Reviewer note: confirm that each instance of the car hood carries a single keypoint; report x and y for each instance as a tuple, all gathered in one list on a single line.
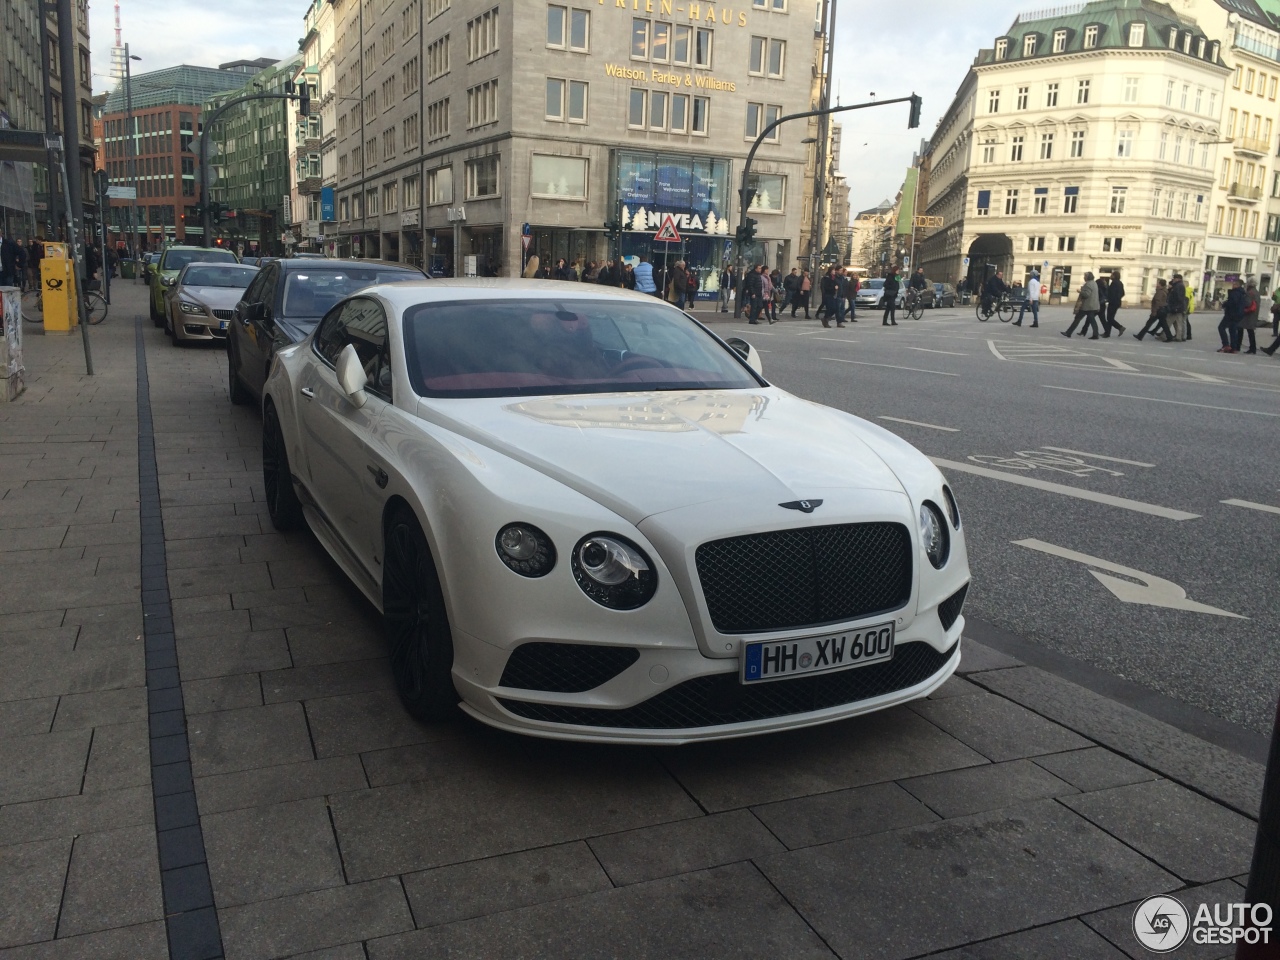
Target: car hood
[(642, 454), (216, 298)]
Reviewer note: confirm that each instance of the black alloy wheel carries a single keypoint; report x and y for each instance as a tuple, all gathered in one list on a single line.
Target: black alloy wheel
[(416, 622), (282, 499), (236, 390)]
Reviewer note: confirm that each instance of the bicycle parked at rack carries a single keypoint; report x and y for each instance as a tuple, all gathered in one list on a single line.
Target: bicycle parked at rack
[(1004, 308), (95, 306)]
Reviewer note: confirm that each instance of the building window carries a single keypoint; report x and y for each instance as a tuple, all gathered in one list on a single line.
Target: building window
[(640, 39), (1114, 245), (411, 192), (1011, 203), (1177, 149), (701, 113), (702, 48), (558, 178), (1186, 89), (1040, 203), (1118, 195), (411, 131), (409, 79), (1046, 146), (440, 185), (1051, 95), (482, 104), (438, 58), (566, 100), (436, 7), (438, 119), (482, 177), (1066, 244), (767, 57), (1034, 244), (1059, 41), (1130, 89), (1029, 45), (1173, 38), (657, 110), (567, 29), (1082, 91), (1022, 97), (777, 58), (482, 35), (1164, 145), (984, 203), (1137, 34), (389, 204), (770, 189), (993, 101), (637, 107), (344, 209), (1002, 49), (1124, 144), (1090, 36), (989, 151), (371, 203), (679, 113), (1199, 98), (1015, 148), (388, 143), (1069, 197), (1155, 202), (1248, 80), (759, 116)]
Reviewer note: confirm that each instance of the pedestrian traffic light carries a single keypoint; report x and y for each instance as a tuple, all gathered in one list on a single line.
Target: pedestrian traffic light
[(746, 231), (913, 121)]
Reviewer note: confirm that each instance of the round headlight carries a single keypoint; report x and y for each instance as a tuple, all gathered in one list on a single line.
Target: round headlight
[(952, 507), (525, 549), (613, 571), (933, 535)]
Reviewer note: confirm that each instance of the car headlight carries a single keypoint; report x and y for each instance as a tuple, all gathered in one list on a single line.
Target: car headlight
[(933, 535), (525, 549), (168, 281), (190, 307), (613, 571), (952, 507)]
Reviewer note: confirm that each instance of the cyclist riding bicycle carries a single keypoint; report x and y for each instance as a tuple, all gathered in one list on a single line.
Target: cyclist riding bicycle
[(992, 291), (917, 281)]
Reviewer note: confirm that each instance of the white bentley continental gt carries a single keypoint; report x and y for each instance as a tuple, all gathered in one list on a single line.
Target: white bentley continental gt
[(583, 515)]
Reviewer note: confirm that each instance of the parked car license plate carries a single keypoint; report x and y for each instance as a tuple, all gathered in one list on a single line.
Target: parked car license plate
[(222, 325), (778, 659)]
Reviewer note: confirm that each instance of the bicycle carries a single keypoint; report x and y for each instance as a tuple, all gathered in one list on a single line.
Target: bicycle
[(913, 304), (95, 306), (1003, 308)]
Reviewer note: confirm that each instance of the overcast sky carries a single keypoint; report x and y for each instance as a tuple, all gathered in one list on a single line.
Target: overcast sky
[(910, 46)]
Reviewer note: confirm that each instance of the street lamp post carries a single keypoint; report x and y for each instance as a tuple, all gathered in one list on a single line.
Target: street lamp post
[(131, 148), (824, 135)]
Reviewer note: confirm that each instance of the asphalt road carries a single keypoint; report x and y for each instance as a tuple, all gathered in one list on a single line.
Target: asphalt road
[(1171, 430)]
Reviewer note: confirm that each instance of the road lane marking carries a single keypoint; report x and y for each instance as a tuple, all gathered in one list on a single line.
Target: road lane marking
[(949, 353), (1137, 506), (996, 350), (1098, 456), (1180, 403), (941, 373), (1151, 591), (835, 339), (1118, 364), (917, 423), (1266, 507)]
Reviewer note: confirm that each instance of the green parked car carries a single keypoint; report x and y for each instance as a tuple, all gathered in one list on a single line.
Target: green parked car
[(164, 273)]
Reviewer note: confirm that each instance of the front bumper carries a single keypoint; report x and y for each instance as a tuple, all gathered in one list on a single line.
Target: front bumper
[(198, 326)]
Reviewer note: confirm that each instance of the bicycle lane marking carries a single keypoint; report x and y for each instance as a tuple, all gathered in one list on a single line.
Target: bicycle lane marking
[(1123, 503)]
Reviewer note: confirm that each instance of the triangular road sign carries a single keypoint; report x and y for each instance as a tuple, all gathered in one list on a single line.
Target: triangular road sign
[(667, 232)]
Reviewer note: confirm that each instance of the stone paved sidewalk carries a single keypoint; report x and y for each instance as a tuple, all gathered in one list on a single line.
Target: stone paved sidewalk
[(1011, 815)]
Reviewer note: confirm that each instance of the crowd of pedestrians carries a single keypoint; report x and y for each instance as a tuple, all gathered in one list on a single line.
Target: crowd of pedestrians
[(20, 262), (677, 284)]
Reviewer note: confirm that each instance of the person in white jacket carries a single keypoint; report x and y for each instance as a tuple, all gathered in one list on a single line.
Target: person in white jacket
[(1032, 300)]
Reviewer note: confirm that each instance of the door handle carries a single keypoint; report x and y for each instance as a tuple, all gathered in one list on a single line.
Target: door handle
[(379, 476), (308, 393)]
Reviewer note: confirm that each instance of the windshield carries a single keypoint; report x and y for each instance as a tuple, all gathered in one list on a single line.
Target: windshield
[(515, 348), (875, 284), (310, 293), (219, 276), (177, 259)]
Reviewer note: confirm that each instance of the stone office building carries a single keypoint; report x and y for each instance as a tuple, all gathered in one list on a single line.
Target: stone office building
[(460, 122)]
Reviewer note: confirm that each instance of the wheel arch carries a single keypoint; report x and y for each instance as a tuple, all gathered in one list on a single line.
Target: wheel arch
[(397, 503)]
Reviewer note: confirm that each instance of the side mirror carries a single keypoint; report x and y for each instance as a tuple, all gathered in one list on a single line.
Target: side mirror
[(743, 349), (351, 375)]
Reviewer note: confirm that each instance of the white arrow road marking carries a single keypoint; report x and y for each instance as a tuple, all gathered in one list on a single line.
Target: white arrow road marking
[(1137, 506), (1265, 507), (1152, 591)]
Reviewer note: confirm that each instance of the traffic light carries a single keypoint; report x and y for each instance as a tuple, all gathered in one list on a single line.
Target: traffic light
[(913, 121), (304, 99), (612, 229), (746, 231)]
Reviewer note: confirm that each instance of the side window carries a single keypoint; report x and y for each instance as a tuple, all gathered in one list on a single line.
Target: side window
[(362, 324), (254, 292)]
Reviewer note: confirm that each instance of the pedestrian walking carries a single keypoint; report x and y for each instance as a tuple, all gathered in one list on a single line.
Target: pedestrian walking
[(1232, 314), (531, 267), (854, 286), (33, 260), (1275, 312), (766, 294), (842, 295), (828, 291), (753, 292), (806, 293), (1158, 322), (1115, 295), (628, 276), (8, 261), (891, 288), (679, 284), (1087, 306), (20, 264), (1031, 300), (728, 284), (1177, 308), (791, 288), (644, 277), (1251, 319)]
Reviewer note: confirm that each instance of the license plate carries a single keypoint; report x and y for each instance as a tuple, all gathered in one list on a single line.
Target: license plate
[(778, 659), (222, 325)]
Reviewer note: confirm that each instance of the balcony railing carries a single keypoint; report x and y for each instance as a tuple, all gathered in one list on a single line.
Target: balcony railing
[(1252, 145), (1239, 191), (1258, 47)]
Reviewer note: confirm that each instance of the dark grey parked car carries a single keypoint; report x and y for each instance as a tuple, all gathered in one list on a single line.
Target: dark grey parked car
[(944, 295), (284, 303)]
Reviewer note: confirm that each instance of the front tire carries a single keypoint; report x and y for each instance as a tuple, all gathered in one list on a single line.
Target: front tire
[(416, 622), (236, 390), (277, 480)]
